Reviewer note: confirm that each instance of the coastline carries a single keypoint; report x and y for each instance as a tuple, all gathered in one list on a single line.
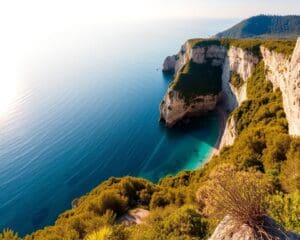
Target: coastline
[(222, 116)]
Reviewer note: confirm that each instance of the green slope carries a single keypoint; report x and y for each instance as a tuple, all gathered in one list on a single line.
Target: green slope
[(264, 26)]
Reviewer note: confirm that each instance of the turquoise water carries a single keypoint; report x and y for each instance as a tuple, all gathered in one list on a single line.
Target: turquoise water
[(87, 108)]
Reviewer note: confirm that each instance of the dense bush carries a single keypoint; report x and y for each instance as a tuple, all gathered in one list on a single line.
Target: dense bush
[(236, 80), (290, 174), (171, 223), (8, 234), (102, 234), (197, 79), (244, 199), (99, 208), (285, 209), (109, 201)]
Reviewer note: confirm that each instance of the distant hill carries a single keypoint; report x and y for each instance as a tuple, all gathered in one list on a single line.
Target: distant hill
[(264, 26)]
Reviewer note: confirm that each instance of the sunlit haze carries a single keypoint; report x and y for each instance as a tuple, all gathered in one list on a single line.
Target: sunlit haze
[(25, 25)]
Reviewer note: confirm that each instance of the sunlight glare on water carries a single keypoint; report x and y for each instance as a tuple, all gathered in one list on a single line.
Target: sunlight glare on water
[(8, 90)]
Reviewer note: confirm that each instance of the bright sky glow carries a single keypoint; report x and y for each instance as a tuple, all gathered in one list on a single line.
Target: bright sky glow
[(24, 24)]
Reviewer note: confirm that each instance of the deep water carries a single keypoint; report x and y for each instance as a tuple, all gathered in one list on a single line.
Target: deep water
[(87, 108)]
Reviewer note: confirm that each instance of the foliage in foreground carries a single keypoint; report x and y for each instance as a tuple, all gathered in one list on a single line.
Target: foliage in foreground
[(102, 234), (244, 199), (8, 234)]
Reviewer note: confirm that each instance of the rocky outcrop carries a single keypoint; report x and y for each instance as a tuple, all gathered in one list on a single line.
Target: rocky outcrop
[(169, 64), (229, 230), (229, 134), (284, 73), (241, 62), (199, 55), (174, 108)]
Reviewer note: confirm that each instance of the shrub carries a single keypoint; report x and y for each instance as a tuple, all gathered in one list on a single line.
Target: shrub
[(290, 176), (197, 79), (285, 209), (236, 80), (102, 234), (109, 201), (171, 223), (240, 194), (162, 199), (8, 234)]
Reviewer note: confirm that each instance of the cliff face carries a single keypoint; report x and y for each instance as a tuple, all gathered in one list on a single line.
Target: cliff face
[(241, 62), (229, 134), (284, 73), (199, 55), (174, 106)]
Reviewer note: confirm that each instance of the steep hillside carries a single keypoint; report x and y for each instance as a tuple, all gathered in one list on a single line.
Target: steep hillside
[(264, 26)]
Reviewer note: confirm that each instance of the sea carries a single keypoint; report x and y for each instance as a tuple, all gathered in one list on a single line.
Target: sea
[(84, 106)]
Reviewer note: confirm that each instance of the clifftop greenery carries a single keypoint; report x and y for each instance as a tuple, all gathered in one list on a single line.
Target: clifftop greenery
[(198, 79), (178, 204), (264, 26), (283, 46), (206, 79)]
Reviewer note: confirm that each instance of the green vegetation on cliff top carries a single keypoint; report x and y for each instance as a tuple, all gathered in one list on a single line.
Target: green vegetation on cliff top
[(198, 79), (282, 46)]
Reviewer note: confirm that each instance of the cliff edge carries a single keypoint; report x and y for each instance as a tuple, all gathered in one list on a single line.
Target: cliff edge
[(216, 71)]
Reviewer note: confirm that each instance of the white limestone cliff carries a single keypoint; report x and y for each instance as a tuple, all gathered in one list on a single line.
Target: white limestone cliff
[(199, 55), (229, 133), (241, 62), (173, 108), (284, 73)]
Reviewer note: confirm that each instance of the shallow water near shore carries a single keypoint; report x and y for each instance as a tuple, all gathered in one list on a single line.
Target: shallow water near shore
[(86, 107)]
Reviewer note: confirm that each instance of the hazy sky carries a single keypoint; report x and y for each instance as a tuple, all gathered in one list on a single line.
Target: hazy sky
[(96, 10), (28, 27)]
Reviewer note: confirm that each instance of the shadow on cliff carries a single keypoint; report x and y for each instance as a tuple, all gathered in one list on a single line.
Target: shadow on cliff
[(168, 76), (204, 128)]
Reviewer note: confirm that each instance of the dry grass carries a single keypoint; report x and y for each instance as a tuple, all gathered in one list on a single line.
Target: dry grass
[(241, 195)]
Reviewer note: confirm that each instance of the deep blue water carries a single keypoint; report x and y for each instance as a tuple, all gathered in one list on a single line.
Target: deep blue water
[(89, 111)]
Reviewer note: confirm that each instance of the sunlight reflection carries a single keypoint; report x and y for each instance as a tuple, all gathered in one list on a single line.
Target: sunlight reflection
[(8, 92)]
